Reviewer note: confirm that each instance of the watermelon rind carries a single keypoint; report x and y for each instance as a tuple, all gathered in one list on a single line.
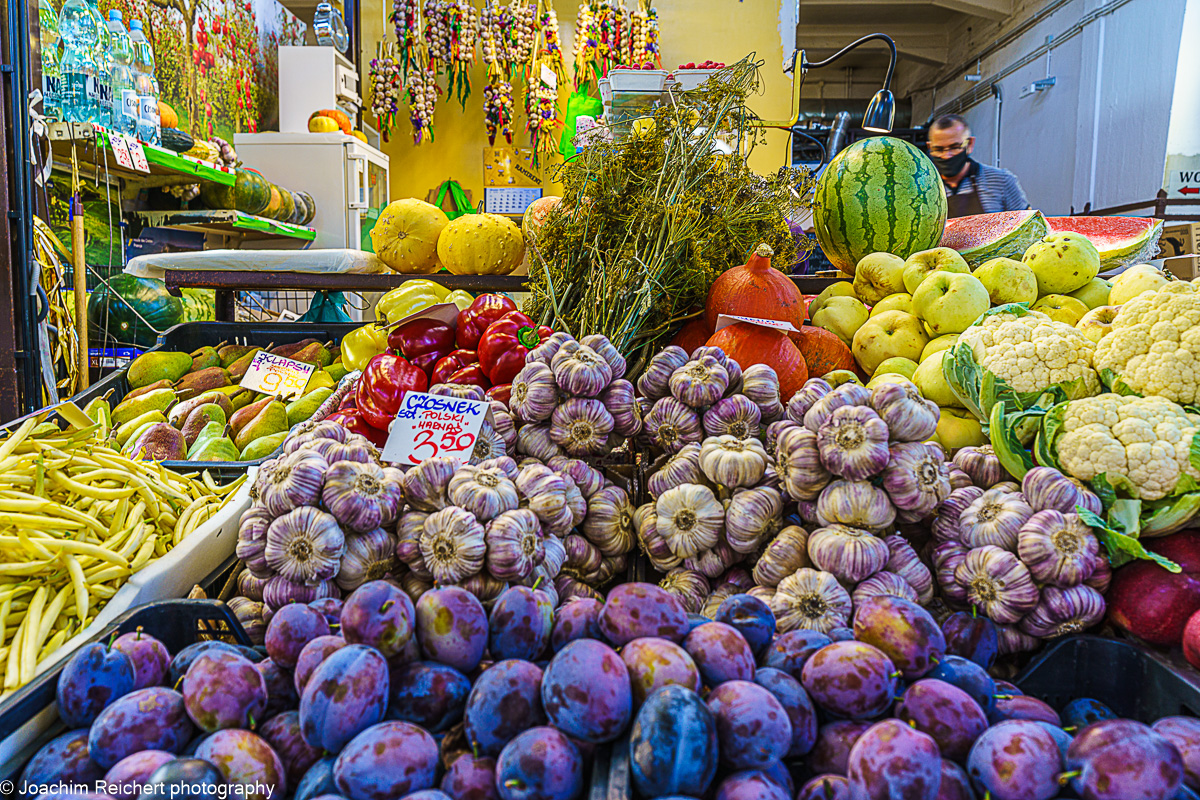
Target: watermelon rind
[(982, 237), (879, 195), (1114, 252)]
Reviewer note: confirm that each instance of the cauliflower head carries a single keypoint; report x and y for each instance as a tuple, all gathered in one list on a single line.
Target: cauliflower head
[(1032, 352), (1146, 439), (1154, 345)]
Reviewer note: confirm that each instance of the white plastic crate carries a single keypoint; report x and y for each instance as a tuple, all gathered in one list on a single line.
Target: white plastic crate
[(688, 79)]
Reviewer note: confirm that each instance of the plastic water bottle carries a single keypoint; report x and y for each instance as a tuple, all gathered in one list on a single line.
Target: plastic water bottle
[(51, 62), (103, 56), (79, 95), (125, 104), (148, 127)]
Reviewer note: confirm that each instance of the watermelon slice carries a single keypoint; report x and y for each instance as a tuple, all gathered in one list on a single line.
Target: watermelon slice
[(1120, 240), (982, 237)]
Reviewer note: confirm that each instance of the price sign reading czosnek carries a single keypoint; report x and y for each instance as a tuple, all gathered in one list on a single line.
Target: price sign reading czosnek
[(429, 425), (277, 376)]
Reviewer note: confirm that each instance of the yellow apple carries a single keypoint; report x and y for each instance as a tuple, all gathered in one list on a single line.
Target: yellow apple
[(957, 429), (918, 266), (1061, 307), (932, 382), (1136, 280), (890, 377), (877, 275), (901, 301), (1094, 293), (948, 302), (938, 345), (1007, 281), (896, 365), (892, 333), (1097, 323), (841, 315), (840, 376), (839, 289)]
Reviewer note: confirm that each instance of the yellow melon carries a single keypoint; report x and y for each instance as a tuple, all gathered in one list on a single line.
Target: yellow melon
[(481, 244), (406, 236)]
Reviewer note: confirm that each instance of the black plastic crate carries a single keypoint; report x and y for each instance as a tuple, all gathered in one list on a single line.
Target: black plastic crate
[(176, 623)]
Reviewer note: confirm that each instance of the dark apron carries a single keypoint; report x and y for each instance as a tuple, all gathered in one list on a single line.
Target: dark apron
[(966, 204)]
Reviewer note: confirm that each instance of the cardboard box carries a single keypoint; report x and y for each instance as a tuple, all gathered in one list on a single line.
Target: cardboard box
[(1178, 245)]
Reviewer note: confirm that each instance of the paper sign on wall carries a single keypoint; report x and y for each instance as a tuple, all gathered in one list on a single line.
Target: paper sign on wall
[(138, 154), (277, 376), (120, 150), (725, 320), (429, 425)]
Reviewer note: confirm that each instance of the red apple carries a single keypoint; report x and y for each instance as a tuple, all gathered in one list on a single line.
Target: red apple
[(1191, 640), (1152, 603)]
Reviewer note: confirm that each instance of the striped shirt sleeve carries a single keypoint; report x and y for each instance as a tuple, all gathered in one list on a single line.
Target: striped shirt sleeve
[(999, 190)]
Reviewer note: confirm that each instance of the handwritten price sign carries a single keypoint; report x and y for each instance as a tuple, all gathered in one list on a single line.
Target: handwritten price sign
[(277, 376), (428, 425)]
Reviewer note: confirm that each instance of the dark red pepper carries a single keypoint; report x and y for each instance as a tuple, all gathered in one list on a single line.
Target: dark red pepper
[(352, 420), (506, 342), (475, 318), (381, 389), (451, 364), (470, 374), (423, 342), (501, 393)]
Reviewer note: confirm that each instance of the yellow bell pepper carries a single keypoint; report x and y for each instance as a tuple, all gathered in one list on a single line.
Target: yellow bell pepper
[(362, 344), (408, 298), (460, 298)]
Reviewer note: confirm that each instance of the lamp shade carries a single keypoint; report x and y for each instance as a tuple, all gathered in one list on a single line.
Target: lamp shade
[(881, 112)]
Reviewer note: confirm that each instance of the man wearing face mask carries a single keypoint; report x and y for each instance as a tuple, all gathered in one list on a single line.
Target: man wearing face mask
[(971, 187)]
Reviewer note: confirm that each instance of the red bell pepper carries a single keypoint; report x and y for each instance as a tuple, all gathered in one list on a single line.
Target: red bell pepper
[(471, 373), (451, 364), (501, 393), (352, 420), (381, 389), (423, 342), (475, 318), (506, 342)]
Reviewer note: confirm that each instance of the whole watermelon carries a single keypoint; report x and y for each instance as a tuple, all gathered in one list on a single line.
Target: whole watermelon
[(878, 195), (132, 310)]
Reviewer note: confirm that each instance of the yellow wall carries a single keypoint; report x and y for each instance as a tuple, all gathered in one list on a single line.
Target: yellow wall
[(690, 30)]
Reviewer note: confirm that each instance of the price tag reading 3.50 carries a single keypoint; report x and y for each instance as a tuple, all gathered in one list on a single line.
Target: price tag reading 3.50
[(277, 376), (429, 425)]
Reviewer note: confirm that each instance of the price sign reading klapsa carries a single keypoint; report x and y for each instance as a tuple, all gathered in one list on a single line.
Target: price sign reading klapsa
[(277, 376), (429, 425)]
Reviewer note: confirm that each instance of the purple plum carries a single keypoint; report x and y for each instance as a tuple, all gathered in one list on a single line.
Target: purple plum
[(520, 624), (892, 761), (61, 761), (148, 719), (640, 610), (968, 676), (126, 778), (540, 764), (224, 690), (778, 773), (378, 614), (790, 651), (673, 744), (1015, 760), (1123, 760), (505, 700), (752, 617), (452, 627), (850, 679), (311, 657), (281, 690), (655, 663), (834, 741), (386, 761), (750, 785), (972, 636), (1083, 711), (721, 654), (331, 609), (317, 781), (471, 778), (1023, 707), (346, 695), (428, 794), (586, 691), (945, 713), (282, 732), (840, 634), (190, 778), (955, 783), (905, 632), (246, 761), (753, 728), (578, 618), (184, 658), (428, 694), (826, 787), (795, 701), (1184, 733), (94, 678), (149, 657), (292, 627)]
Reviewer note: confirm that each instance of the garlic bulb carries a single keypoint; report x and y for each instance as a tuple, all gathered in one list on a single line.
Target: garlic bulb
[(609, 521), (535, 441), (291, 482), (883, 584), (505, 428), (621, 403), (764, 593), (853, 442), (994, 519), (486, 492), (997, 583), (848, 394), (369, 556), (850, 554), (738, 577), (507, 466), (736, 416), (774, 431), (581, 373), (809, 599), (1047, 489), (414, 585), (805, 398), (355, 448), (583, 557), (760, 384), (655, 381), (1013, 641), (305, 545), (453, 545), (670, 424), (547, 349), (731, 462), (1064, 611), (946, 527), (1059, 549), (786, 553), (675, 470), (700, 382), (982, 465), (514, 545), (488, 445), (300, 435), (425, 484), (581, 426), (363, 497), (555, 555), (752, 518), (576, 502), (798, 463), (545, 493), (689, 518), (904, 561), (916, 477), (1101, 575), (408, 543), (713, 562), (463, 391), (606, 350), (732, 367), (589, 479), (859, 504), (958, 478), (645, 522), (486, 588), (534, 393), (279, 591), (250, 586), (908, 416), (712, 603), (947, 558), (690, 587)]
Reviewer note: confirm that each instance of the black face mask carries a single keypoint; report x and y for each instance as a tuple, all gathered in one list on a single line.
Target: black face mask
[(949, 167)]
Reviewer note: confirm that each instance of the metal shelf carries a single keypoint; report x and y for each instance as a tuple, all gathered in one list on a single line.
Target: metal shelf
[(232, 224), (96, 159)]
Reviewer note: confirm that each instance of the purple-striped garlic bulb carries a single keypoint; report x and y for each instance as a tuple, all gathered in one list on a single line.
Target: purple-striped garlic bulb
[(1059, 549), (463, 391), (547, 349), (859, 504), (534, 393), (690, 519), (947, 558), (425, 484), (736, 416), (883, 584), (848, 394), (408, 543), (1013, 641), (713, 562), (732, 367), (514, 545), (583, 557), (575, 501), (904, 561), (505, 427), (689, 587), (752, 518), (731, 462), (580, 373), (606, 350), (535, 441), (994, 519), (798, 463), (805, 398), (291, 481), (982, 465), (655, 381), (545, 494), (786, 553), (998, 584), (589, 479), (670, 424), (369, 556), (453, 545), (850, 554), (279, 591), (853, 442), (958, 478), (580, 426), (1047, 489), (676, 470), (810, 599), (909, 416), (946, 526), (363, 497), (700, 382), (486, 492), (1064, 611), (488, 445), (1101, 575), (305, 545), (712, 603), (621, 403), (609, 521), (555, 555), (774, 431), (916, 477), (764, 593), (415, 585), (738, 577), (645, 522), (251, 586), (760, 383), (505, 464)]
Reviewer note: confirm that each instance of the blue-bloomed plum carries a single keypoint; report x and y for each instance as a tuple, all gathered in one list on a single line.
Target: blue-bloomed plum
[(586, 691), (790, 651), (452, 627), (378, 614), (1184, 733), (471, 778), (778, 773), (752, 617), (292, 627), (311, 657), (127, 776), (840, 634), (540, 764), (1061, 737), (750, 785), (94, 678), (224, 690), (654, 663), (428, 694), (893, 761), (944, 712), (1023, 707), (578, 618), (317, 781), (639, 610), (148, 719), (246, 761), (505, 700), (905, 632), (1083, 711), (387, 761), (1122, 759), (796, 703), (331, 610), (282, 732), (187, 779), (696, 620), (281, 691), (62, 760), (972, 636), (346, 695), (1015, 760), (1006, 688), (428, 794), (721, 654), (968, 676), (826, 787), (850, 679), (149, 657), (834, 741), (184, 658), (673, 744), (520, 624), (955, 783), (752, 726)]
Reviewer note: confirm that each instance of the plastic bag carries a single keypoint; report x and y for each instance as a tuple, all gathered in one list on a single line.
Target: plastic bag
[(579, 104), (462, 205), (326, 307)]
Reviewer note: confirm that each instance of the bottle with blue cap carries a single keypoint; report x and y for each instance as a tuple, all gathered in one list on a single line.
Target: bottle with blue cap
[(148, 125), (125, 102)]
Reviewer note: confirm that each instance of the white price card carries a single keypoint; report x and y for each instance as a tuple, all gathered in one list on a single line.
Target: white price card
[(725, 320), (120, 150), (138, 153), (429, 425), (549, 78), (277, 376)]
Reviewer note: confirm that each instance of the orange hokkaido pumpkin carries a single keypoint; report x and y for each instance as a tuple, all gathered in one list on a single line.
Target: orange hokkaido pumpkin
[(823, 351), (756, 290), (692, 335), (755, 344)]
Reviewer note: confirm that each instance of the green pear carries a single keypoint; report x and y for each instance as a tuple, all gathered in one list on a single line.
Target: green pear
[(205, 357), (232, 352), (126, 431), (319, 380), (270, 420), (314, 353), (157, 365), (141, 390), (180, 411), (213, 445), (238, 368), (337, 370), (290, 350), (159, 441), (262, 447), (242, 416), (205, 380), (158, 400), (198, 418), (238, 396), (300, 410)]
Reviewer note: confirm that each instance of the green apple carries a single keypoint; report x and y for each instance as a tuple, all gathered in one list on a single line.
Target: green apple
[(930, 379), (901, 301), (1094, 293), (840, 376), (1061, 307), (1007, 281), (948, 302), (841, 315), (839, 289), (889, 377), (1062, 262), (877, 275), (957, 429), (883, 336), (1138, 279), (897, 365), (938, 345), (1097, 323), (919, 265)]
